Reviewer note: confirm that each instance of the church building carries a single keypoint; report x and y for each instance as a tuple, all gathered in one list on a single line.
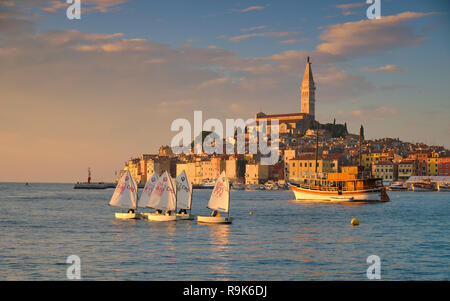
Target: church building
[(297, 122)]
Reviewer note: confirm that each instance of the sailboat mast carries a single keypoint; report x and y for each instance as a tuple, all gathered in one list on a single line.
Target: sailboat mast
[(228, 199), (317, 144), (359, 150)]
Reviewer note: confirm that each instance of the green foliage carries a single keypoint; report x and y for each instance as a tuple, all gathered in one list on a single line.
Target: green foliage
[(336, 130)]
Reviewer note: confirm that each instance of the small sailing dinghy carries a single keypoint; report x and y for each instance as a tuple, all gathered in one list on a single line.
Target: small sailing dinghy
[(184, 196), (147, 192), (219, 202), (125, 196), (162, 198)]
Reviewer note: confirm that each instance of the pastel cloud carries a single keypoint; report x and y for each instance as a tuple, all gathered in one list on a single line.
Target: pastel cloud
[(371, 36), (252, 8), (254, 28), (386, 68), (259, 34)]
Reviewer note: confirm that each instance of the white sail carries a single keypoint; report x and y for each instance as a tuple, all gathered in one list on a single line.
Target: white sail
[(164, 194), (125, 195), (148, 189), (184, 191), (220, 197)]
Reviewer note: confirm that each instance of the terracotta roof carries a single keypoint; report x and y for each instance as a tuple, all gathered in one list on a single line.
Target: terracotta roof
[(300, 115)]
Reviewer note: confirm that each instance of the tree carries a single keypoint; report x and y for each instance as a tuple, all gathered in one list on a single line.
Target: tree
[(361, 132)]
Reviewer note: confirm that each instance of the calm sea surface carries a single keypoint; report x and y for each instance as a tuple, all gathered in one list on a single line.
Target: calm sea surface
[(43, 224)]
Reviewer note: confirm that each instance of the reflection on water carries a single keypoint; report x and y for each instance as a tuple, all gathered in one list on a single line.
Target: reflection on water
[(282, 240), (220, 247)]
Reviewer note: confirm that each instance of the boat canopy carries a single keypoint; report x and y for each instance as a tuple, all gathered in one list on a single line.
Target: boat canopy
[(415, 179)]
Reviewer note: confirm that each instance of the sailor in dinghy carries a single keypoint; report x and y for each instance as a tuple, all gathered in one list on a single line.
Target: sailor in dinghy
[(125, 196), (219, 202), (184, 196), (164, 198)]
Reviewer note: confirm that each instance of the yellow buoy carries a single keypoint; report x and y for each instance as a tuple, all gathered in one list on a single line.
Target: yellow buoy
[(251, 212), (354, 222)]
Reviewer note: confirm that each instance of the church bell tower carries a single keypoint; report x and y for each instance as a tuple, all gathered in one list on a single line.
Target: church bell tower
[(308, 89)]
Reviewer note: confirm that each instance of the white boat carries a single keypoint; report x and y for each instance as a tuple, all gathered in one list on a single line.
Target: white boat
[(204, 185), (125, 196), (443, 187), (219, 202), (252, 187), (184, 196), (238, 186), (397, 186), (424, 186), (144, 200), (163, 197)]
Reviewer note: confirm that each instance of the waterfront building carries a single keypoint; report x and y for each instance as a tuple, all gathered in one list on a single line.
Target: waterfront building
[(372, 157), (432, 164), (421, 159), (305, 166), (288, 154), (235, 169), (406, 169), (201, 169), (444, 166), (255, 173), (386, 170)]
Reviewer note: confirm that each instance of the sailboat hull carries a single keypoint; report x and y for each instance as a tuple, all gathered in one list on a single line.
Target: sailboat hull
[(187, 216), (128, 215), (215, 219), (160, 217)]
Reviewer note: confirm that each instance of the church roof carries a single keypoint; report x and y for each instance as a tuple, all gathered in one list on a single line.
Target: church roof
[(308, 76), (293, 115)]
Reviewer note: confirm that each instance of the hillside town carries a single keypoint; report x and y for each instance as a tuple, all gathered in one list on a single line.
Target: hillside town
[(303, 143), (387, 158)]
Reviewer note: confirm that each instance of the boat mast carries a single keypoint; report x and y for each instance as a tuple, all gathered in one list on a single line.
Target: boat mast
[(317, 144), (359, 149), (228, 184)]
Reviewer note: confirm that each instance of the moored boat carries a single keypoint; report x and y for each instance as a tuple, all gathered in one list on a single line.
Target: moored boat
[(348, 186), (443, 187), (424, 186), (397, 186), (252, 187), (237, 186)]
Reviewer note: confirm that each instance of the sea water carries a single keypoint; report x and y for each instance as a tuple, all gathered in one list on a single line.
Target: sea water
[(43, 224)]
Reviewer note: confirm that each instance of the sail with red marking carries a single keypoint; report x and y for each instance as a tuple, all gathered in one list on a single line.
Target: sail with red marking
[(148, 189), (125, 195), (220, 197), (164, 194)]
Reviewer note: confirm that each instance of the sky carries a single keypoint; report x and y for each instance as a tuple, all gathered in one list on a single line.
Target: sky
[(96, 91)]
